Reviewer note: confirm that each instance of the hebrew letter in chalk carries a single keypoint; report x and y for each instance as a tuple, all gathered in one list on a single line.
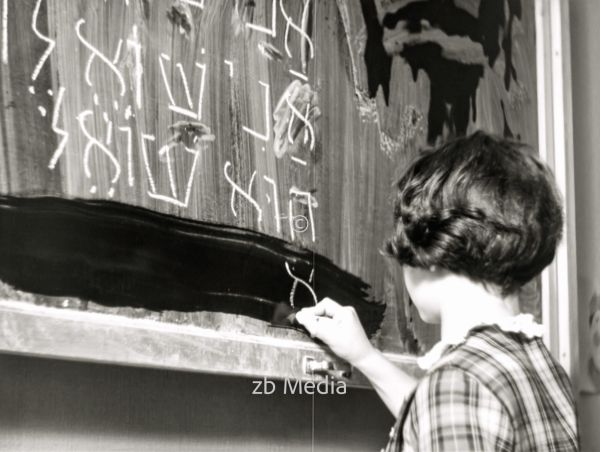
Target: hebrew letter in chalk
[(63, 133), (302, 222), (267, 109), (275, 202), (94, 143), (34, 27), (96, 53), (297, 281), (190, 104), (295, 112), (305, 41), (236, 189), (167, 155), (269, 30)]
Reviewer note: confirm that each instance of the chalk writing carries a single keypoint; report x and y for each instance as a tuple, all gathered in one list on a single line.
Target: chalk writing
[(308, 202), (100, 55), (297, 281), (267, 109), (173, 106), (164, 153), (63, 133), (301, 30), (133, 45), (272, 30), (275, 201), (51, 42), (93, 142), (130, 176), (236, 189)]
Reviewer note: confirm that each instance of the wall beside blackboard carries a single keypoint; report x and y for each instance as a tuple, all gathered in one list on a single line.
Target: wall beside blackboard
[(285, 118)]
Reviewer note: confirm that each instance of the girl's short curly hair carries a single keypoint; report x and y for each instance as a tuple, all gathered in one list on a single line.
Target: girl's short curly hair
[(480, 206)]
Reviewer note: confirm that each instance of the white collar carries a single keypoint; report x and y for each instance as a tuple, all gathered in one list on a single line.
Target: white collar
[(522, 323)]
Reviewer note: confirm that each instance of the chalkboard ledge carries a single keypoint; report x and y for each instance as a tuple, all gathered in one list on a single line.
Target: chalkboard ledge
[(50, 332)]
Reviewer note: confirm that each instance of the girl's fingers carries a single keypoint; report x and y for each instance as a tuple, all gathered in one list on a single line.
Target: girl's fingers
[(326, 307), (318, 326)]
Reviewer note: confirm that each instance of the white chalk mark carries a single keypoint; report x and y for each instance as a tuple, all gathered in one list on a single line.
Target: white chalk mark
[(196, 3), (172, 104), (303, 34), (185, 85), (201, 94), (111, 192), (105, 116), (116, 105), (299, 75), (290, 135), (109, 129), (165, 78), (146, 160), (93, 189), (94, 142), (63, 133), (275, 202), (42, 111), (263, 149), (96, 100), (306, 129), (309, 203), (270, 31), (188, 189), (164, 153), (183, 111), (128, 113), (118, 52), (300, 161), (5, 31), (50, 93), (87, 74), (134, 44), (99, 54), (268, 198), (301, 281), (88, 69), (51, 42), (267, 134), (237, 189), (202, 51), (303, 119), (31, 89), (230, 66), (130, 178)]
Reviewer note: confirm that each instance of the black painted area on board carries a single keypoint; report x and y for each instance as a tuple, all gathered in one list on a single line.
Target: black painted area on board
[(453, 72), (120, 255)]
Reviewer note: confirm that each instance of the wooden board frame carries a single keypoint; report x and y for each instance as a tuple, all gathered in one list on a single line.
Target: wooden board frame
[(49, 332), (555, 119)]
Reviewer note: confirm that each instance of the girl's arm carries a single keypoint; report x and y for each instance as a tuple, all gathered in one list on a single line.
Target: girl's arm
[(339, 327)]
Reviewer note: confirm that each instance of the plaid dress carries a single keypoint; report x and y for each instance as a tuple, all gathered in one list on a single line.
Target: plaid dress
[(494, 391)]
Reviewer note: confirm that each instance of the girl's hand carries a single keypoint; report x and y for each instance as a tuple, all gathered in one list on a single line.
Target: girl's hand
[(339, 327)]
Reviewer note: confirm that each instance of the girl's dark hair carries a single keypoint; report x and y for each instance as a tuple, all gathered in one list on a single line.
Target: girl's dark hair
[(480, 206)]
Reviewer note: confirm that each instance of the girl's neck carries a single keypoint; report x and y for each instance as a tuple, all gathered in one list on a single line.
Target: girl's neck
[(472, 305)]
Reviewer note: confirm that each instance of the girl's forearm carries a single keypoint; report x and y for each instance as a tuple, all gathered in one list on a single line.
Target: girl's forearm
[(391, 383)]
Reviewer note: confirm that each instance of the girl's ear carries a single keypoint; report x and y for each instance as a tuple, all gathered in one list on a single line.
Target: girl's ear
[(432, 269)]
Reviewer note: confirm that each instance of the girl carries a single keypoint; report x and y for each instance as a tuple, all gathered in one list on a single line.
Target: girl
[(475, 219)]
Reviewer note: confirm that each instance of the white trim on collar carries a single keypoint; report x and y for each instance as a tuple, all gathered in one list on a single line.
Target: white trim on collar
[(522, 323)]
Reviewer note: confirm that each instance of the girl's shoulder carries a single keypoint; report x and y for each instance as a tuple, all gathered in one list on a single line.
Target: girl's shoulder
[(511, 361)]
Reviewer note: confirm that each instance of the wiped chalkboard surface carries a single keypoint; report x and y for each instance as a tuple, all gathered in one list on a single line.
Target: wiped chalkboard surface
[(198, 161)]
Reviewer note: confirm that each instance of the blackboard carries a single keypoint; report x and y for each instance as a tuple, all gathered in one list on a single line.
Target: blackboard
[(197, 161)]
